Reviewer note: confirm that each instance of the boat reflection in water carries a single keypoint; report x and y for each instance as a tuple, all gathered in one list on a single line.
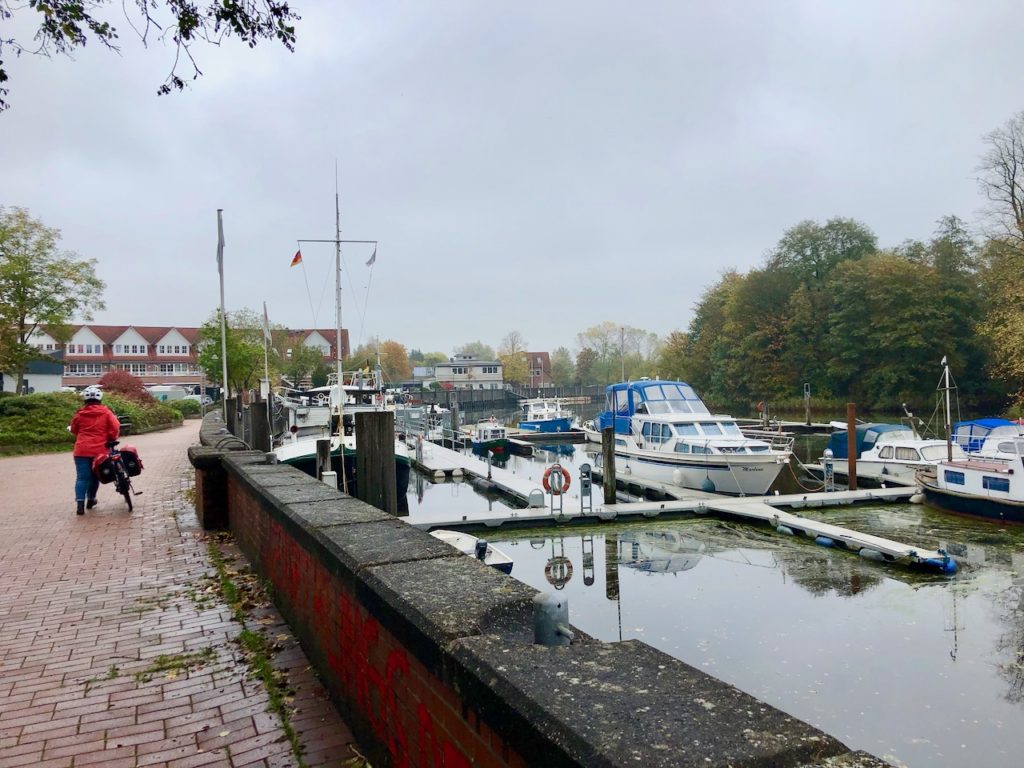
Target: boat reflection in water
[(659, 551)]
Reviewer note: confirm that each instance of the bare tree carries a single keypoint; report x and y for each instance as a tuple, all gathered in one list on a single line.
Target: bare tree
[(1002, 176)]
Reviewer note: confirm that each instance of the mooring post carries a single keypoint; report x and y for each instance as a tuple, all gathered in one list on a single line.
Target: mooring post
[(323, 456), (851, 444), (608, 463), (551, 620), (807, 403), (375, 460), (260, 425), (455, 423), (231, 407)]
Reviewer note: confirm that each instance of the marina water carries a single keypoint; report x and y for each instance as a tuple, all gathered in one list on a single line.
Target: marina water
[(917, 668)]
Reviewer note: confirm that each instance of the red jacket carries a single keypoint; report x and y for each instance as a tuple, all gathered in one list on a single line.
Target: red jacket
[(93, 426)]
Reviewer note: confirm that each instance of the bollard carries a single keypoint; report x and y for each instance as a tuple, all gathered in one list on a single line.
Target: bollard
[(586, 491), (551, 620)]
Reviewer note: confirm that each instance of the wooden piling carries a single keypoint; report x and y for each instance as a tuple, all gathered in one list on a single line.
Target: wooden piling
[(851, 444), (611, 566), (323, 457), (375, 460), (260, 425), (608, 464), (231, 411)]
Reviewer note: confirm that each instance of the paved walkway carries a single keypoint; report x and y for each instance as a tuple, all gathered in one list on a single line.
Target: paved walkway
[(91, 606)]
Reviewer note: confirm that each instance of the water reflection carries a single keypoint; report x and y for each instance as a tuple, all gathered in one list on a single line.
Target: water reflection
[(904, 665), (915, 667)]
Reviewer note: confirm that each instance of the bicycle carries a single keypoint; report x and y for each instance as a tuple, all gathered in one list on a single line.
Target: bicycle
[(118, 467)]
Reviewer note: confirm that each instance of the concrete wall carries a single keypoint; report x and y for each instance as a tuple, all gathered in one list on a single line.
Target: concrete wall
[(429, 654)]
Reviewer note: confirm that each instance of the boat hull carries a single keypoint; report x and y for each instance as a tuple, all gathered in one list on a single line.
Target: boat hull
[(562, 424), (306, 462), (1003, 510), (736, 477)]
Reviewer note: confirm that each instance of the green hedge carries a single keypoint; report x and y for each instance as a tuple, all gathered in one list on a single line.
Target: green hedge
[(39, 423)]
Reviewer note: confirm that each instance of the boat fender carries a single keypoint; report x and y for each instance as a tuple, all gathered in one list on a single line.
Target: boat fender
[(824, 541), (708, 486), (785, 530), (871, 554), (945, 564), (917, 498), (677, 477)]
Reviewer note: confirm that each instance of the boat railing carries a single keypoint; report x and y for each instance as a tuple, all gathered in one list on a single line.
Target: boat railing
[(778, 440)]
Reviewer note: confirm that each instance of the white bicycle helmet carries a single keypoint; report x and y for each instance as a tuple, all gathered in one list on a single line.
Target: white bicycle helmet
[(92, 393)]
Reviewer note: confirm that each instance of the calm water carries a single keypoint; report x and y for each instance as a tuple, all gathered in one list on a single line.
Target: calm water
[(919, 669)]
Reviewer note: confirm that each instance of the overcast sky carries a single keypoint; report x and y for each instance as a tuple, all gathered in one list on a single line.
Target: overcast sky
[(524, 167)]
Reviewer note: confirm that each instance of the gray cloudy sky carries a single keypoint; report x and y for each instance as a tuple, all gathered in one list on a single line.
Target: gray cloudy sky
[(525, 167)]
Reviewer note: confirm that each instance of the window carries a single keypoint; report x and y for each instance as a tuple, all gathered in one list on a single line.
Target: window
[(700, 449), (996, 483), (682, 448), (710, 428), (82, 369), (954, 478), (731, 429), (907, 454), (686, 429), (458, 370), (885, 453)]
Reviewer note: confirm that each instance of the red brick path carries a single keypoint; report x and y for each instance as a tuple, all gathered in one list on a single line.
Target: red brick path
[(87, 603)]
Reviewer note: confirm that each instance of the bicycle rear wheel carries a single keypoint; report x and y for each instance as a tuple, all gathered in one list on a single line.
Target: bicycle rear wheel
[(124, 487)]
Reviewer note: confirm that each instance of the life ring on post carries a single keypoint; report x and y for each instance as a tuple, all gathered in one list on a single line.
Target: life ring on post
[(558, 487)]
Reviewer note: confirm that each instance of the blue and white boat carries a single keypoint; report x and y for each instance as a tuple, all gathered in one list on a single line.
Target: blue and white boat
[(985, 438), (987, 487), (664, 432), (544, 415)]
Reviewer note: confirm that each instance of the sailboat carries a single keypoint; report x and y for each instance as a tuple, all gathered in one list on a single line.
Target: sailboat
[(347, 396)]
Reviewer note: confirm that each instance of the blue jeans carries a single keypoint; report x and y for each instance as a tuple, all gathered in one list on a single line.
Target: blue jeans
[(86, 483)]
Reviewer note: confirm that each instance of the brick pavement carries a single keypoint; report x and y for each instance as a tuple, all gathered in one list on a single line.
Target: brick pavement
[(88, 605)]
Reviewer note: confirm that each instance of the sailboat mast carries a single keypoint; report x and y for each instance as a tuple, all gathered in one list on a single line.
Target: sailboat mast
[(949, 426)]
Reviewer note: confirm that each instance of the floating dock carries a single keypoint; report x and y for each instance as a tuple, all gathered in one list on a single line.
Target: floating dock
[(765, 510)]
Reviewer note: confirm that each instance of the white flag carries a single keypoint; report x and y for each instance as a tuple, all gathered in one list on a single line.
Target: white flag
[(373, 258), (266, 324)]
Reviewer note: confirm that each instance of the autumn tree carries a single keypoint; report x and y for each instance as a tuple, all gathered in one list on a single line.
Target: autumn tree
[(244, 341), (585, 360), (40, 286), (478, 349), (512, 354), (562, 369), (1002, 177), (64, 26), (300, 361)]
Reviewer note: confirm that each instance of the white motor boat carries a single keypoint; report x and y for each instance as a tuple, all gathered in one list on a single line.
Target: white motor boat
[(664, 432), (474, 547)]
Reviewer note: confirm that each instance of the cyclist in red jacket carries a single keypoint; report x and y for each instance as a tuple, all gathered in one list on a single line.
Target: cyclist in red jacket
[(93, 425)]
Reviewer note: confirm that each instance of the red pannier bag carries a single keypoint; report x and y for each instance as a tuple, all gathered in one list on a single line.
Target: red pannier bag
[(130, 459), (103, 468)]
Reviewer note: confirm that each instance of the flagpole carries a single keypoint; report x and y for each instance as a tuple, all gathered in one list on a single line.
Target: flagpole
[(337, 331), (223, 320), (266, 373)]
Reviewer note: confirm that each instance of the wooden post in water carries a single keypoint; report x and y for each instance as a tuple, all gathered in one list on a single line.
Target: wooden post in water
[(375, 460), (455, 423), (323, 457), (608, 463), (231, 411), (851, 444), (260, 426)]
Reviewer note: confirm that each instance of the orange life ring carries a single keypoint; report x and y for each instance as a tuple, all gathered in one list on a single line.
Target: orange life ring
[(566, 480)]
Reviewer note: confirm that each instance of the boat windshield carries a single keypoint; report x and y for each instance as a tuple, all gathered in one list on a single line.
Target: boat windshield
[(672, 397), (938, 452)]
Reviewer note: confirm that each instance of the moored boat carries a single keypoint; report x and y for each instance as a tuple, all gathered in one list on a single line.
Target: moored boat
[(889, 450), (490, 436), (981, 486), (477, 548), (664, 432), (544, 415)]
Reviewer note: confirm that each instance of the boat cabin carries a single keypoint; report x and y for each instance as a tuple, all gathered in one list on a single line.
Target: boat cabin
[(624, 400)]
